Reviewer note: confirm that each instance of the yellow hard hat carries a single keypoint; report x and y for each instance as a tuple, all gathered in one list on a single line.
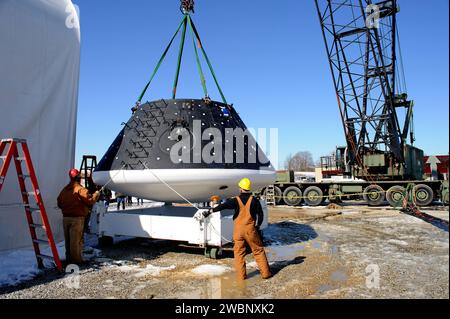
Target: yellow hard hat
[(245, 184)]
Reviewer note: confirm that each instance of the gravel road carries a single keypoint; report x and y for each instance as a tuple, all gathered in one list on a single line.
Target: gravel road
[(352, 252)]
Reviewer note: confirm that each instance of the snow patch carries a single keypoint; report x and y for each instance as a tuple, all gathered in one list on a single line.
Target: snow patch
[(211, 270), (149, 270), (90, 253), (20, 265)]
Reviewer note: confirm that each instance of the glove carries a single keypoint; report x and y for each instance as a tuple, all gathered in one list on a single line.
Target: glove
[(201, 214), (207, 213)]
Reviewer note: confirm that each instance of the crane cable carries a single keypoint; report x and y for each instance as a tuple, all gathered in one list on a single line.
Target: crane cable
[(160, 61), (199, 65), (183, 25)]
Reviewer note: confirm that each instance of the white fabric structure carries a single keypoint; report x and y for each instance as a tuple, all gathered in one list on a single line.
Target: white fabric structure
[(39, 74)]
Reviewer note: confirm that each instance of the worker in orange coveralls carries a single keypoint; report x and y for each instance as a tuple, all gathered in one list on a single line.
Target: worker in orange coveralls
[(248, 218), (75, 202)]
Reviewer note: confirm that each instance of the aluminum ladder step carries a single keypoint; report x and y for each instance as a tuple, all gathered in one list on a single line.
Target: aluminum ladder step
[(44, 257), (40, 241), (28, 193), (37, 226), (33, 210)]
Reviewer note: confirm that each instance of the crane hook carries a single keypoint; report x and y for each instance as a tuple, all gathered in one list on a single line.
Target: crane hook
[(187, 6)]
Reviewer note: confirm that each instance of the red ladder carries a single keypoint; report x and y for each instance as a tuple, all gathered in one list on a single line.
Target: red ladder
[(13, 153)]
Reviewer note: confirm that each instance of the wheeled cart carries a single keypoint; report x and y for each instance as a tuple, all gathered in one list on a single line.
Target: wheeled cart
[(168, 223)]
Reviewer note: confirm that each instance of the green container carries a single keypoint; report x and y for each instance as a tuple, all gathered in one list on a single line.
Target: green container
[(414, 162), (375, 160)]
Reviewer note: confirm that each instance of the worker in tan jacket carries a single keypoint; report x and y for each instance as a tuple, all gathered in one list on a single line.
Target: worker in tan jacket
[(248, 218), (75, 202)]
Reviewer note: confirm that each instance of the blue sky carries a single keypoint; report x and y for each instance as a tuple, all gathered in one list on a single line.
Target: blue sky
[(269, 58)]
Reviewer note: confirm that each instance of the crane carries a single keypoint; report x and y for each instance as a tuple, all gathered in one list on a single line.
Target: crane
[(362, 44)]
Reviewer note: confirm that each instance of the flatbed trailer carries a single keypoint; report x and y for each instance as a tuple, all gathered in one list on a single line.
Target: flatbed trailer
[(375, 193)]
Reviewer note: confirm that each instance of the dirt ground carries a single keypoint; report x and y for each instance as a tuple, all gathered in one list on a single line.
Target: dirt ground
[(350, 252)]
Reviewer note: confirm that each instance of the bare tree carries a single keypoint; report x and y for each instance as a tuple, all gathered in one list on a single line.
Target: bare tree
[(300, 162), (289, 161)]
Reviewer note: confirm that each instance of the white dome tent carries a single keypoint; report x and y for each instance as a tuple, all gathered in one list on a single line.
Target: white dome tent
[(39, 74)]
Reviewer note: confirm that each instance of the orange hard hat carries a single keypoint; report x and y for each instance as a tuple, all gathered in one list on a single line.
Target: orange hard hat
[(215, 198)]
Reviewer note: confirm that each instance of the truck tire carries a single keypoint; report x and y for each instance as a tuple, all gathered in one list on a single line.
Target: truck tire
[(374, 195), (423, 194), (292, 196), (213, 253), (278, 195), (313, 196), (395, 196)]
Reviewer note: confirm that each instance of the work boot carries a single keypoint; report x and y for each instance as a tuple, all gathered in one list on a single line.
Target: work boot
[(266, 276)]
